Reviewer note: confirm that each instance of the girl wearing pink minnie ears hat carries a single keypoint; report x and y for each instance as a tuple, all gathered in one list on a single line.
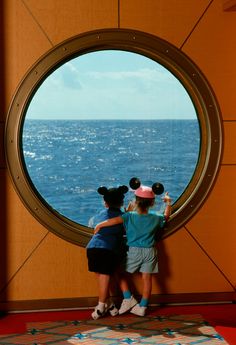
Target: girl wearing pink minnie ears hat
[(141, 225)]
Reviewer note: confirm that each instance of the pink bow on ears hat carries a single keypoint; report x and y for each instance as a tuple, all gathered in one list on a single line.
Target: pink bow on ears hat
[(145, 191)]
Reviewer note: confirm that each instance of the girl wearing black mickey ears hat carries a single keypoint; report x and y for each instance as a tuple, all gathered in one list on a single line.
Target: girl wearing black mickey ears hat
[(141, 226), (104, 250)]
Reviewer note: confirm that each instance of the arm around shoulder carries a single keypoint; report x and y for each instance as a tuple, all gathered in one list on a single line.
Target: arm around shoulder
[(108, 222)]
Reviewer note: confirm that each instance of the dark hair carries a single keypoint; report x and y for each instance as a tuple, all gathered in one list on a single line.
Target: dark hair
[(144, 203), (114, 197)]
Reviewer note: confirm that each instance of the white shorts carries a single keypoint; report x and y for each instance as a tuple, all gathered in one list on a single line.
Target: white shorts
[(141, 260)]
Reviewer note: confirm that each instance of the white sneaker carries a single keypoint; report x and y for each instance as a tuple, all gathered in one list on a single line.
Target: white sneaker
[(127, 304), (97, 313), (112, 309), (137, 310)]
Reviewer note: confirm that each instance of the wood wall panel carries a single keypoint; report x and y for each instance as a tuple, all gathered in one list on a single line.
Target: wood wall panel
[(229, 156), (170, 20), (229, 5), (39, 264), (214, 225), (57, 269), (212, 46), (2, 67), (24, 43), (24, 233), (63, 19), (61, 270), (185, 267)]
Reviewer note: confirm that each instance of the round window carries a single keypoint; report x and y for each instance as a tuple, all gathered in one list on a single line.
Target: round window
[(101, 108)]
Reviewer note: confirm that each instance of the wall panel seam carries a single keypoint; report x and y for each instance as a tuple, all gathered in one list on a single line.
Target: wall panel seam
[(23, 264), (37, 22), (196, 24), (210, 258)]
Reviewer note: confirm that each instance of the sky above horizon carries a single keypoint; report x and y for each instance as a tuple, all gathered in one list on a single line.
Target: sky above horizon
[(111, 84)]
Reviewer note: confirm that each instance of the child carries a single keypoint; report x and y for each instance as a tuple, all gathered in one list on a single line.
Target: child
[(141, 226), (104, 250)]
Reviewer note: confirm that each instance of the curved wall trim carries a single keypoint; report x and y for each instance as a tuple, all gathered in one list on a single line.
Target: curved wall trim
[(174, 60)]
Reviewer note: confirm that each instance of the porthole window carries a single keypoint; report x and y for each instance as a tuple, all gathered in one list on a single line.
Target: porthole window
[(140, 122), (101, 108)]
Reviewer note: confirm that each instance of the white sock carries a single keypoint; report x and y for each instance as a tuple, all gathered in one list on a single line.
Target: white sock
[(101, 306)]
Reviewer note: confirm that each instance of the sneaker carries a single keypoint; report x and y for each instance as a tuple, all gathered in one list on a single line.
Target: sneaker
[(112, 309), (137, 310), (127, 304), (97, 313)]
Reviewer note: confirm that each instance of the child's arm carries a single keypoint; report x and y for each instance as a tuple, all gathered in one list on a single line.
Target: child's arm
[(131, 206), (167, 201), (108, 222)]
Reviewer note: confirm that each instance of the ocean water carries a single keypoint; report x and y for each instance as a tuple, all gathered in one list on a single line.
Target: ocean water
[(67, 160)]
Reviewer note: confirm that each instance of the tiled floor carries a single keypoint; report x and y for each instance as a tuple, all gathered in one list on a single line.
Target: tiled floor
[(149, 330)]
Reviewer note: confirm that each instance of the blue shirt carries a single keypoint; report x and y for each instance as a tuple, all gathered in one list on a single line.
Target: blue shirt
[(110, 237), (141, 228)]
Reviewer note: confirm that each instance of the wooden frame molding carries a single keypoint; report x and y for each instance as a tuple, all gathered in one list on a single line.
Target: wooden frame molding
[(162, 52), (2, 154)]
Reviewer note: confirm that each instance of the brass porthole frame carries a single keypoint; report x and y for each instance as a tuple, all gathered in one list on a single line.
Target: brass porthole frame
[(162, 52)]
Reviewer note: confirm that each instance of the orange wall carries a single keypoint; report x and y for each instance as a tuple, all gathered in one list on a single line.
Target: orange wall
[(200, 257)]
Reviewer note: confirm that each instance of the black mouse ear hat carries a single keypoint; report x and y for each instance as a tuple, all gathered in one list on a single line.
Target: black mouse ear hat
[(145, 191), (123, 189), (158, 188), (102, 190), (135, 183), (113, 196)]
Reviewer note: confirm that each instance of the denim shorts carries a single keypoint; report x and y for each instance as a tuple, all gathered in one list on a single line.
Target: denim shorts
[(141, 260)]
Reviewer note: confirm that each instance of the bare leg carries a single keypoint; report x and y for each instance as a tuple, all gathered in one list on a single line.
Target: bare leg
[(124, 286), (147, 285), (103, 294), (140, 309), (103, 287), (128, 301)]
